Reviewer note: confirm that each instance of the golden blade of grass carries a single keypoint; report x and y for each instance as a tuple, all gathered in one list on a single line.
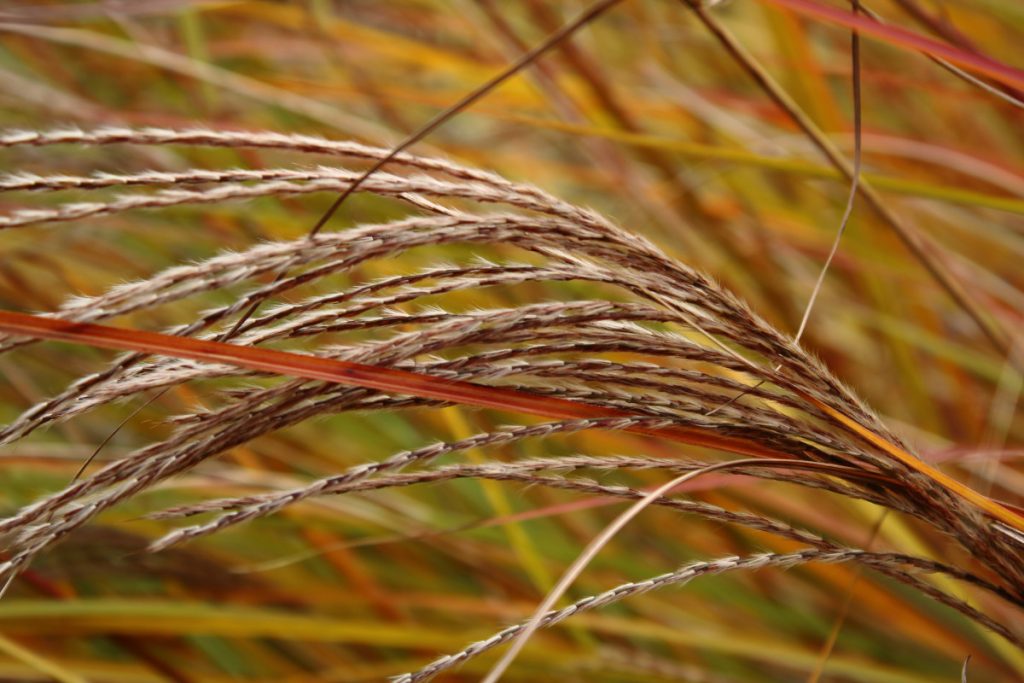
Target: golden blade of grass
[(184, 617), (1000, 512), (47, 667)]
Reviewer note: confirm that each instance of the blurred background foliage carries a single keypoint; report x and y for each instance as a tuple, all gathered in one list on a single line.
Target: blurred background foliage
[(643, 117)]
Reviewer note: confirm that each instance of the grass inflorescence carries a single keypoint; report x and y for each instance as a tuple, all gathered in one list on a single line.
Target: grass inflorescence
[(374, 440)]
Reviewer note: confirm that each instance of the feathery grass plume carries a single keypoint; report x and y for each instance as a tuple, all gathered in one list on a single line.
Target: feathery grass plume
[(657, 347)]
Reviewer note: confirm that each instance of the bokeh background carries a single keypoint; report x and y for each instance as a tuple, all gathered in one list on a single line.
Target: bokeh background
[(642, 116)]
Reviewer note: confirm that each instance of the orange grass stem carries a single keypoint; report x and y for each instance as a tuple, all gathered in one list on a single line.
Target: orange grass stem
[(355, 374), (1004, 514)]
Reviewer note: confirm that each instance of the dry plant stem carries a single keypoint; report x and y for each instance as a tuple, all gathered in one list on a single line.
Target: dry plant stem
[(847, 211), (558, 36), (563, 33), (678, 577), (591, 551), (114, 432), (1007, 97), (854, 180), (918, 244), (943, 28)]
